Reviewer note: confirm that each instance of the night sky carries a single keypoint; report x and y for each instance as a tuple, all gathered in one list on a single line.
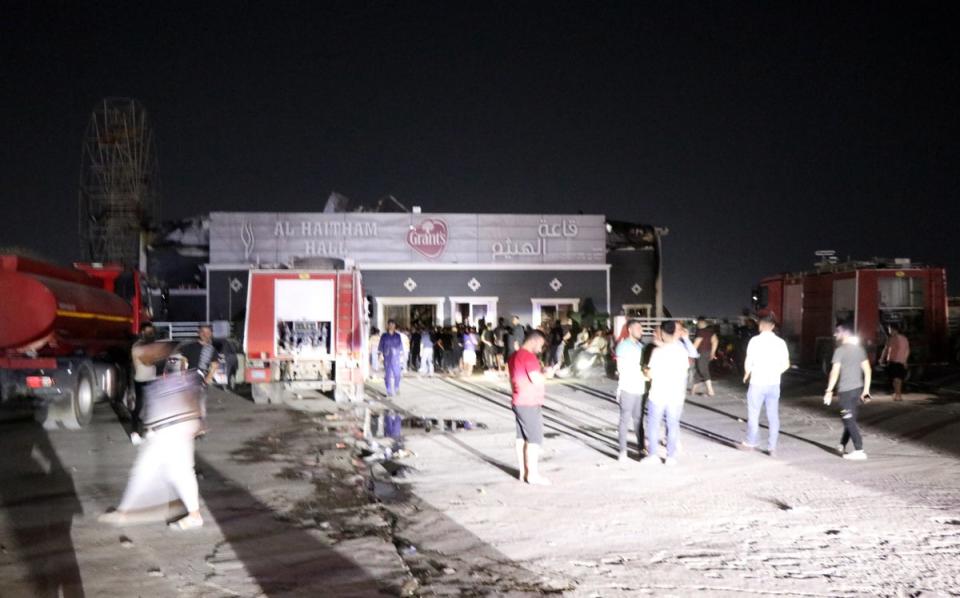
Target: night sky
[(757, 132)]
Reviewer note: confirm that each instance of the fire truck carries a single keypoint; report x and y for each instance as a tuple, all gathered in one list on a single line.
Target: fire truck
[(305, 329), (869, 295)]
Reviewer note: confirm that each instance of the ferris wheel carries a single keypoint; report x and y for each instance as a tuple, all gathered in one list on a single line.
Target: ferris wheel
[(119, 182)]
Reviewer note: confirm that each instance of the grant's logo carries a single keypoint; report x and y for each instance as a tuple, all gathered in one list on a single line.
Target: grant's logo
[(429, 238)]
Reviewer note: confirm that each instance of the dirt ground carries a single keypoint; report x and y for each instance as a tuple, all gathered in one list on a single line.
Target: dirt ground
[(296, 505)]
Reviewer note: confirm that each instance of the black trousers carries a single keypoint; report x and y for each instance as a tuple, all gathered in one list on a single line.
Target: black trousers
[(849, 406)]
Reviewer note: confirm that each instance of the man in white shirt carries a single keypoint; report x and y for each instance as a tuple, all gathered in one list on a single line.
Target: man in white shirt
[(667, 371), (631, 385), (767, 358)]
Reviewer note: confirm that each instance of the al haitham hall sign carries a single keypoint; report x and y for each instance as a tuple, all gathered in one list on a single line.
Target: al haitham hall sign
[(276, 238)]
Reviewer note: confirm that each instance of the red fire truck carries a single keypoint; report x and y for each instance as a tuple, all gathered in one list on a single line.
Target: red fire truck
[(305, 330), (869, 295)]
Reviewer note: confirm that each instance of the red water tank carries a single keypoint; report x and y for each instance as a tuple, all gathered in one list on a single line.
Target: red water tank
[(59, 316)]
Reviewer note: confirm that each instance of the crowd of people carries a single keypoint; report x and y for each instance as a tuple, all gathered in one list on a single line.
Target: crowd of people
[(466, 349), (656, 377)]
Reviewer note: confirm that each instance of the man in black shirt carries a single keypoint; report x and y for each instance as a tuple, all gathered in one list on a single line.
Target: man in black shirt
[(515, 336)]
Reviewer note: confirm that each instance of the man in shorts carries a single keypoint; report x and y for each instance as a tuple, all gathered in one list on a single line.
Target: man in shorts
[(895, 355), (528, 381)]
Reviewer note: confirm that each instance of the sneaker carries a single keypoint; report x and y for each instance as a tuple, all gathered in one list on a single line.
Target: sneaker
[(538, 481), (670, 462), (772, 453), (856, 456), (135, 439), (622, 458), (188, 522), (743, 446), (841, 449)]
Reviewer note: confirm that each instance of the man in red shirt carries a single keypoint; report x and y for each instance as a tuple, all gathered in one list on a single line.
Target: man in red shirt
[(528, 380)]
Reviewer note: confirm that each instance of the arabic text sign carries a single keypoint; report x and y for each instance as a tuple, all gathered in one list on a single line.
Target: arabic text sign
[(279, 237)]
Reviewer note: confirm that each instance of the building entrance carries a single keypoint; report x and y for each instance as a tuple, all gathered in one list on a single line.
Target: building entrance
[(409, 313)]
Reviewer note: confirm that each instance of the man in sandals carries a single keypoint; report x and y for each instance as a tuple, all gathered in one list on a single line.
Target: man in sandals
[(528, 381)]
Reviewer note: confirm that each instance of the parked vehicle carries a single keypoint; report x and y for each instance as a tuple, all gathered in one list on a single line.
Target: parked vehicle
[(305, 329), (869, 295), (65, 335)]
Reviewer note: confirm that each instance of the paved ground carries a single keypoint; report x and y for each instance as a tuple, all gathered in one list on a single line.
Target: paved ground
[(723, 522), (288, 510)]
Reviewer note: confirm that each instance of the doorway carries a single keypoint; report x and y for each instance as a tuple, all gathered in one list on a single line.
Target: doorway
[(470, 310), (409, 312)]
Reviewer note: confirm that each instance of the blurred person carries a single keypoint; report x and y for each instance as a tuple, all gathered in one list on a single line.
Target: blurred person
[(414, 363), (469, 351), (426, 354), (667, 371), (201, 358), (165, 460), (528, 383), (894, 358), (706, 344), (488, 347), (766, 360), (405, 343), (500, 334), (631, 386), (144, 372), (515, 336), (391, 350), (851, 376), (374, 344)]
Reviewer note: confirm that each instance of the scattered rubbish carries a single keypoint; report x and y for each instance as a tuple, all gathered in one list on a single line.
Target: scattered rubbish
[(449, 570), (154, 572), (341, 445), (408, 550), (481, 490), (126, 542), (832, 532)]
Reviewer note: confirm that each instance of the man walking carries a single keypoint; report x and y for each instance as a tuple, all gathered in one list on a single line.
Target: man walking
[(631, 386), (391, 348), (767, 359), (895, 355), (528, 382), (851, 376), (667, 371), (706, 344)]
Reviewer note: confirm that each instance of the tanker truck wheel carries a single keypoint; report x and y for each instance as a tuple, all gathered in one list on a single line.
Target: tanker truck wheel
[(75, 409)]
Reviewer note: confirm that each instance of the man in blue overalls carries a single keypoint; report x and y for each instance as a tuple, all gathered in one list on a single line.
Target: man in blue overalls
[(391, 348)]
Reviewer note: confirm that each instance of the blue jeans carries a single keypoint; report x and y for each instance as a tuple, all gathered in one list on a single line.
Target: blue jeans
[(763, 397), (655, 414)]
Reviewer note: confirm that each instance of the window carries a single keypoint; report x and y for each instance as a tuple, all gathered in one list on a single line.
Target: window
[(547, 311)]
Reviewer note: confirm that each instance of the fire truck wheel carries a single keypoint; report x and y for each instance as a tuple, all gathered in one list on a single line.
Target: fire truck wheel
[(75, 410)]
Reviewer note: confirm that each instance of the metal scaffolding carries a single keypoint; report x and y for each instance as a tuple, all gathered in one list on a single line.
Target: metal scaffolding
[(119, 182)]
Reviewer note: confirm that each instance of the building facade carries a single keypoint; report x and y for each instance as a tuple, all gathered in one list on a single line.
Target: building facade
[(434, 269)]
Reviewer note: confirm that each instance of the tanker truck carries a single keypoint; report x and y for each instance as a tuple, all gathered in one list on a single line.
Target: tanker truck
[(65, 336)]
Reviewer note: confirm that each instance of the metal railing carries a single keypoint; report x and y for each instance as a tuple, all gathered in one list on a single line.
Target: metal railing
[(175, 331)]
